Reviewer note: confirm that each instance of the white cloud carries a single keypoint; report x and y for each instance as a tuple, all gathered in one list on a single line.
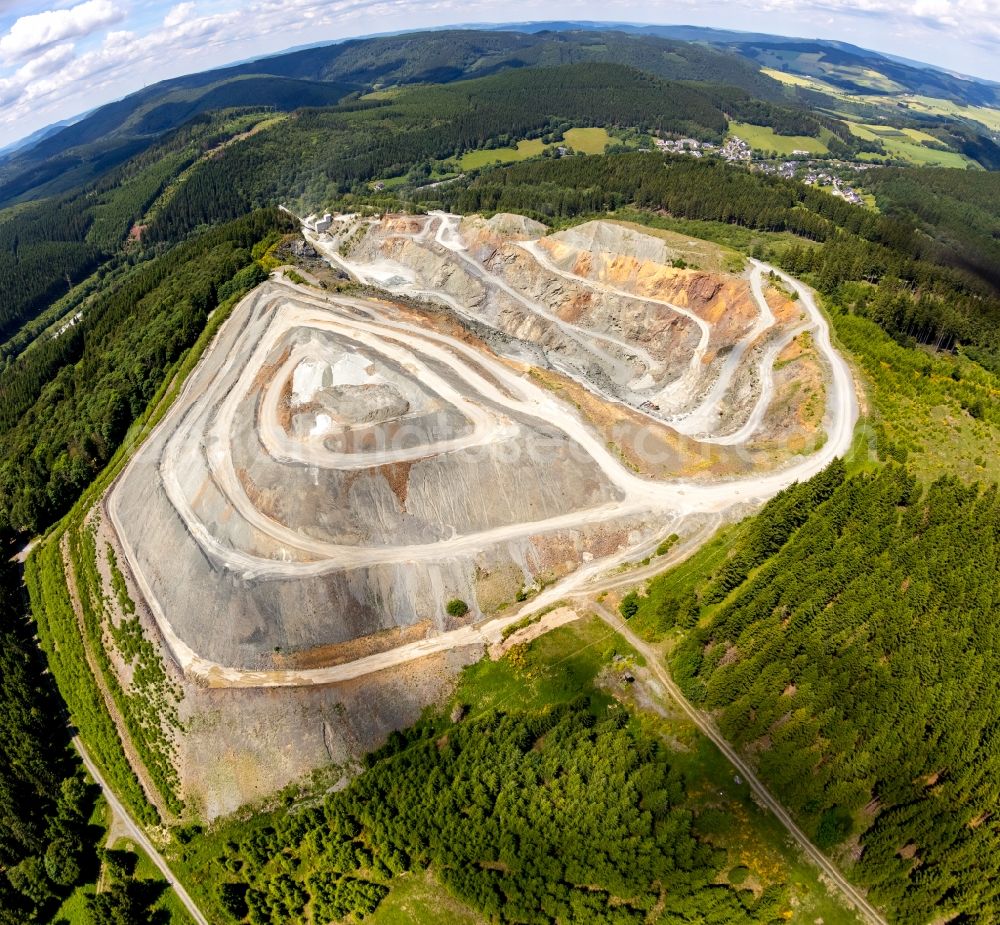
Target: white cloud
[(197, 34), (178, 15), (46, 63), (33, 33)]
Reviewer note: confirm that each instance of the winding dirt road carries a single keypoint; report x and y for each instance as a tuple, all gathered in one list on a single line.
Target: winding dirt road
[(137, 835), (705, 725), (477, 385)]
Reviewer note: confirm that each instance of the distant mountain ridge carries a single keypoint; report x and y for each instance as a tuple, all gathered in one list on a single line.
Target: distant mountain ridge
[(59, 158), (731, 38), (325, 74)]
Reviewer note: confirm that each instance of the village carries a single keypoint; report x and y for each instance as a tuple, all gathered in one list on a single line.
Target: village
[(811, 171)]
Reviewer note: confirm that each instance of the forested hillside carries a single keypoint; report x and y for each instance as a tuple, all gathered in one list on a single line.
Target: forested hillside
[(959, 209), (48, 247), (320, 76), (43, 251), (568, 813), (65, 405), (857, 665), (45, 847), (385, 137)]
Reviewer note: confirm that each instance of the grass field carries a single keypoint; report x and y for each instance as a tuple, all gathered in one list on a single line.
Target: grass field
[(923, 104), (815, 65), (982, 114), (581, 140), (416, 898), (524, 150), (588, 140), (922, 401), (761, 138), (800, 80), (907, 144)]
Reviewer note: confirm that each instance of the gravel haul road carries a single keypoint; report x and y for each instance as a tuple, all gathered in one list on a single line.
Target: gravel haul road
[(707, 727), (137, 835)]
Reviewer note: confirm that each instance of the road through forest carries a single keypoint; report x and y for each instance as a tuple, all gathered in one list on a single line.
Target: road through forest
[(137, 835), (707, 728)]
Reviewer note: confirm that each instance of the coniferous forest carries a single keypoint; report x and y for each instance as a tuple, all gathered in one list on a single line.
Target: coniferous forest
[(529, 817), (858, 665)]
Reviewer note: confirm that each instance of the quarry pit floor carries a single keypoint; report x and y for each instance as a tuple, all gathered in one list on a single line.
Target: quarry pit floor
[(417, 394)]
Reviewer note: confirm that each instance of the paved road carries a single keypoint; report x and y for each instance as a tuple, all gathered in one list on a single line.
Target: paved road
[(137, 835), (707, 727)]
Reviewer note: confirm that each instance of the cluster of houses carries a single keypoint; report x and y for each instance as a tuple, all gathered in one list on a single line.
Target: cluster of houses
[(736, 150), (788, 170), (686, 146), (838, 186)]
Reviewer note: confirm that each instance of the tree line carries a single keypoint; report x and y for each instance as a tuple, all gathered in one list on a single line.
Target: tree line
[(45, 845), (565, 814), (858, 664), (65, 406)]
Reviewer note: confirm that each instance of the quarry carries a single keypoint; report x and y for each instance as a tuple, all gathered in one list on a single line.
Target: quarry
[(495, 416)]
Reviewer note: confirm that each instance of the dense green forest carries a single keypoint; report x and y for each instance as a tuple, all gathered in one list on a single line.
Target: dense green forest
[(319, 154), (857, 665), (568, 813), (50, 246), (959, 209), (45, 844), (65, 405), (43, 251)]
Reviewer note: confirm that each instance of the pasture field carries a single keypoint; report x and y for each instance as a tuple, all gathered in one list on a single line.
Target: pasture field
[(762, 138), (588, 140), (908, 144), (525, 149)]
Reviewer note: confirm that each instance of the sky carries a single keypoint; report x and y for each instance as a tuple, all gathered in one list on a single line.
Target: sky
[(59, 58)]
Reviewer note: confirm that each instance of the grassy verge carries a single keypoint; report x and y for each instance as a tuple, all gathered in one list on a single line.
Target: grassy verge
[(150, 707), (48, 589), (67, 656)]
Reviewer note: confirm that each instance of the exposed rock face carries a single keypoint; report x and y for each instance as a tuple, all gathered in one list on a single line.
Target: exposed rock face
[(288, 488), (337, 469), (603, 301), (369, 403)]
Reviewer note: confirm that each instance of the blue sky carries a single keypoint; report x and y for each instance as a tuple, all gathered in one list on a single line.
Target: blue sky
[(61, 58)]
